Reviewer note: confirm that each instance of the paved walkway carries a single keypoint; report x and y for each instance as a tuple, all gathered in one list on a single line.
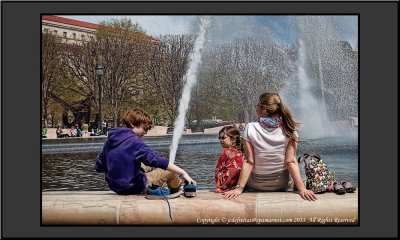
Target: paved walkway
[(207, 208), (155, 131)]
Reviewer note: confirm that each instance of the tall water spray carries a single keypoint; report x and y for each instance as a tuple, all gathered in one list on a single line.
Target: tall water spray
[(190, 80), (321, 78), (313, 115)]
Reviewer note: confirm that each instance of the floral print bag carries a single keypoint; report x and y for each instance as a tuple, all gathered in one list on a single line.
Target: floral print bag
[(319, 177)]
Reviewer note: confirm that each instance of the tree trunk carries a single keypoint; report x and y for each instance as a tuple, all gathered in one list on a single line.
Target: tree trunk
[(115, 118), (45, 114)]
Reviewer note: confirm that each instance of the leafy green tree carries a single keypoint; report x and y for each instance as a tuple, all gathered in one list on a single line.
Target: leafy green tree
[(121, 49), (51, 70), (119, 46)]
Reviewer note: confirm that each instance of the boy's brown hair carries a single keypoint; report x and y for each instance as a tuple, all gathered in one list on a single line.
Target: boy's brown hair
[(136, 118)]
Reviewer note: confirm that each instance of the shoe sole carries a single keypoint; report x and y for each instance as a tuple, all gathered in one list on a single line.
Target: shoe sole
[(340, 191), (190, 194), (155, 197), (350, 190)]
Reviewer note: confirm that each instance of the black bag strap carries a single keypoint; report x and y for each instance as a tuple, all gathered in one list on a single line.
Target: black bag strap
[(316, 156), (304, 157)]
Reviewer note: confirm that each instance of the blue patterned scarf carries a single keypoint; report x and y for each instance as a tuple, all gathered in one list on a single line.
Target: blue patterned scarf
[(270, 123)]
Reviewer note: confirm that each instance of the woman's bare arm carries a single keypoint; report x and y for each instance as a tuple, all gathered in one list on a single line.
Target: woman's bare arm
[(293, 167), (247, 166)]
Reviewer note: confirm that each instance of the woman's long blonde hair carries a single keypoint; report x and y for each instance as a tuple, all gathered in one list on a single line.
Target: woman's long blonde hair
[(274, 106)]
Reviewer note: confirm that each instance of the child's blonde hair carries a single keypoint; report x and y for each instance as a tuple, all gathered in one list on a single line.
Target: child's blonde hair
[(233, 133), (135, 118), (274, 105)]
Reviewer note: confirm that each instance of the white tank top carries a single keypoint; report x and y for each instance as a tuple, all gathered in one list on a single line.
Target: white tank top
[(269, 147)]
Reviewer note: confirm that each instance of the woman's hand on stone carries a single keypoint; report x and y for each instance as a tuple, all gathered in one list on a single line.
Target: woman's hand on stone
[(308, 195), (232, 194)]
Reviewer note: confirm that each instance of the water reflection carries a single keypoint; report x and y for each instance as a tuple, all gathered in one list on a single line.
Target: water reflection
[(69, 165)]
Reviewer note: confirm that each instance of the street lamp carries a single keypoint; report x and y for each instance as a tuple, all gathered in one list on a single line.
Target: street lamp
[(99, 72)]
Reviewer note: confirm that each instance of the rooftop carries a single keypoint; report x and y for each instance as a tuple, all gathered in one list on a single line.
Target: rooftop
[(80, 23), (69, 21)]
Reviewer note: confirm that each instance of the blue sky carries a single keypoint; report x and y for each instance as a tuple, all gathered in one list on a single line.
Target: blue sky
[(280, 27)]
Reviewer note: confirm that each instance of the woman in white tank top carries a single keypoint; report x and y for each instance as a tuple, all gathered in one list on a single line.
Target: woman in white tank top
[(270, 151)]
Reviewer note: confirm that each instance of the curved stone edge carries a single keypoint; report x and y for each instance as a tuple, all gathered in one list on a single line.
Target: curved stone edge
[(76, 208), (207, 208), (290, 208)]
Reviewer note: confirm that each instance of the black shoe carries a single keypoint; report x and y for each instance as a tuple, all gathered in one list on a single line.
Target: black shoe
[(189, 189)]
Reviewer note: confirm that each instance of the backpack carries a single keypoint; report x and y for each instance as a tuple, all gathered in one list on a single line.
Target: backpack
[(319, 177)]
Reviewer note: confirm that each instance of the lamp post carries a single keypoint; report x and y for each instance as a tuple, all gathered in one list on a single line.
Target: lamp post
[(99, 73)]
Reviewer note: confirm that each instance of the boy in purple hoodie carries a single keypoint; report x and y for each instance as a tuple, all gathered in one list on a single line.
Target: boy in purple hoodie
[(124, 151)]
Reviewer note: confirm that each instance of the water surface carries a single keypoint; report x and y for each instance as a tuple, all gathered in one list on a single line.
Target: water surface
[(68, 164)]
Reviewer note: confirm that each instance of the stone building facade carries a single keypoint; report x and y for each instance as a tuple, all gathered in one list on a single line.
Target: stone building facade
[(73, 31), (69, 30)]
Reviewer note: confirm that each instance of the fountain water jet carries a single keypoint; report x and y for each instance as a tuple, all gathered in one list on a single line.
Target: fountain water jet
[(313, 113), (190, 81)]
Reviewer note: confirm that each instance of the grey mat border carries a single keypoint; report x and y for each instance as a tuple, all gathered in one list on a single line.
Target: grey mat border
[(20, 99)]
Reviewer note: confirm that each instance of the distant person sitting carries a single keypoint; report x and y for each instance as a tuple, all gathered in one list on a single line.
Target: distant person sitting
[(103, 127), (78, 131), (85, 129), (74, 132), (106, 128), (44, 131), (60, 133)]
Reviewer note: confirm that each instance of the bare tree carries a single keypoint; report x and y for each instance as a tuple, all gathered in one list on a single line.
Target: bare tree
[(79, 62), (235, 74), (167, 65)]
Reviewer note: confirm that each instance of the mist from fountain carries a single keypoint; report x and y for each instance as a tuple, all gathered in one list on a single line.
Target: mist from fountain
[(313, 115), (305, 92)]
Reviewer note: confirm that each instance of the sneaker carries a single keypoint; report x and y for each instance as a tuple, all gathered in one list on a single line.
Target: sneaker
[(189, 190), (348, 186), (156, 192), (338, 188)]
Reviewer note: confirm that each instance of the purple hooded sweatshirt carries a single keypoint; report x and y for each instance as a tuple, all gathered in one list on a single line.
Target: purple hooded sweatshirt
[(120, 160)]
